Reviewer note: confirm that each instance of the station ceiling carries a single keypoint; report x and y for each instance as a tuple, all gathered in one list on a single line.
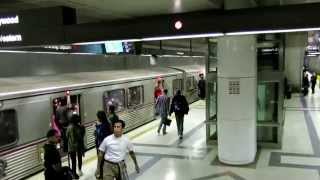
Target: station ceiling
[(106, 10)]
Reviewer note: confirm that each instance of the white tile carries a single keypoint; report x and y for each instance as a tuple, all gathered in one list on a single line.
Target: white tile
[(312, 161), (295, 136)]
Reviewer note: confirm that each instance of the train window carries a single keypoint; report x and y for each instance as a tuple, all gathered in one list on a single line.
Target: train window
[(190, 83), (135, 96), (176, 85), (8, 127), (115, 98)]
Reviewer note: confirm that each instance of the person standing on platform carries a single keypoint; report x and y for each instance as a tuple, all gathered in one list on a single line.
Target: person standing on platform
[(305, 84), (112, 116), (202, 87), (102, 128), (52, 159), (162, 108), (180, 107), (75, 136), (112, 152), (313, 82), (157, 90), (62, 122)]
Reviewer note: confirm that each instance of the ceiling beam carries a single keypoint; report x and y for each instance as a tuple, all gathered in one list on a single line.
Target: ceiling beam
[(252, 19)]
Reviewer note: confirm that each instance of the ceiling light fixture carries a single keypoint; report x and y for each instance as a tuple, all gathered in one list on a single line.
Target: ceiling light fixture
[(182, 36), (102, 42), (271, 31)]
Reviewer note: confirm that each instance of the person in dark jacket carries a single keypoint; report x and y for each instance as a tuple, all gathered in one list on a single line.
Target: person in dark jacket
[(103, 128), (75, 136), (201, 87), (112, 116), (313, 82), (305, 84), (180, 107), (52, 159)]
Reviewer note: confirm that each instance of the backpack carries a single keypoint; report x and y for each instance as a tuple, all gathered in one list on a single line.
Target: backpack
[(66, 173), (178, 106)]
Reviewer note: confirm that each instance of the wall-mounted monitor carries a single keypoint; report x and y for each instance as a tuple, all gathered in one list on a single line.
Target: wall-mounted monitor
[(113, 47)]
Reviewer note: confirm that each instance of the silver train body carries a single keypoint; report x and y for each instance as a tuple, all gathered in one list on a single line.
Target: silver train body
[(26, 102)]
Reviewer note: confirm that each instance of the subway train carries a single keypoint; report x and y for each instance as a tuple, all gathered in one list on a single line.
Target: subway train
[(28, 105)]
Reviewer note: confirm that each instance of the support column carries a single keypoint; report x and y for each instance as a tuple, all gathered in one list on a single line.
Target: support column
[(294, 56), (237, 99)]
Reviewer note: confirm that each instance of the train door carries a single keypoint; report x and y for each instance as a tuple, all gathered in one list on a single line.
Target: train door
[(177, 84), (63, 108)]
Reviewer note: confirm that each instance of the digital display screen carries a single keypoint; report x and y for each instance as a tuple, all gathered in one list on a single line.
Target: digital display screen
[(128, 47), (119, 47), (113, 47)]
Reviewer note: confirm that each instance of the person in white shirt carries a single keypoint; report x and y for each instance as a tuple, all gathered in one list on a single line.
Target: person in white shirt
[(112, 153)]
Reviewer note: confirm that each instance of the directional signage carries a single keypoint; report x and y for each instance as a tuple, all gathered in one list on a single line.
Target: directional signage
[(35, 27)]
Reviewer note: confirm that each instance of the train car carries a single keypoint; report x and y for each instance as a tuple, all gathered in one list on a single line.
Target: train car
[(190, 80), (28, 106)]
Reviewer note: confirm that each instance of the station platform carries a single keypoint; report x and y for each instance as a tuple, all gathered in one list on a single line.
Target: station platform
[(168, 158)]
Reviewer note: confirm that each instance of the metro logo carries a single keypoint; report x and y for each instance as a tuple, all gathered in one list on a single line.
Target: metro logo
[(9, 20)]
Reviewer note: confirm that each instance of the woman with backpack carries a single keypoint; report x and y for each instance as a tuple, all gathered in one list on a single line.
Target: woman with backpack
[(180, 107)]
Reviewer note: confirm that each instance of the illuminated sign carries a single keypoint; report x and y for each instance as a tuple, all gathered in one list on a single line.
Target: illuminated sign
[(9, 20), (10, 38), (62, 47), (5, 38)]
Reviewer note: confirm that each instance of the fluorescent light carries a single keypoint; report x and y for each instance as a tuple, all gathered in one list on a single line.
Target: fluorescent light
[(311, 55), (315, 53), (18, 51), (156, 38), (166, 55), (102, 42), (44, 52), (272, 31), (182, 36)]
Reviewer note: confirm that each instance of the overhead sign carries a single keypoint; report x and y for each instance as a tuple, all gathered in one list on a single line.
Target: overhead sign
[(10, 38), (9, 20), (40, 26)]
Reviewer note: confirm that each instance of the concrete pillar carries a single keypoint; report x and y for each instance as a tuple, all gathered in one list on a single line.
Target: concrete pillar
[(237, 99), (294, 55)]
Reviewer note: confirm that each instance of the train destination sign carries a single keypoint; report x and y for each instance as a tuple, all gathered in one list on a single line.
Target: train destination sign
[(10, 37), (22, 28), (9, 20)]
